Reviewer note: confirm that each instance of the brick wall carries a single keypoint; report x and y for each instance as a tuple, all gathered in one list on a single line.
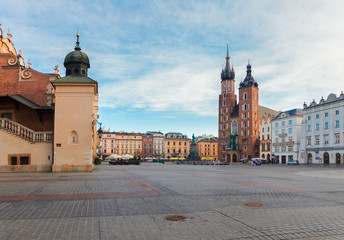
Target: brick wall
[(27, 116), (35, 88)]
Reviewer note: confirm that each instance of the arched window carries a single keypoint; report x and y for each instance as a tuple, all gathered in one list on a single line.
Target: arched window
[(245, 96), (235, 126), (73, 137)]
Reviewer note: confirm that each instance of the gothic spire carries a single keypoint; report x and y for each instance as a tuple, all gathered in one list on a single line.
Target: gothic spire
[(227, 60), (227, 73)]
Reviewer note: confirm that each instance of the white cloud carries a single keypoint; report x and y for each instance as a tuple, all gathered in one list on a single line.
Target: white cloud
[(167, 55), (186, 85)]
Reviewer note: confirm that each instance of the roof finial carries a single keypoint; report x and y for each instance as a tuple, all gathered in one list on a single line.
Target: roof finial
[(249, 62), (77, 46), (227, 50)]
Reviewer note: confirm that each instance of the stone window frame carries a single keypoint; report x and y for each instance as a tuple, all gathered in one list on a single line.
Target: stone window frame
[(309, 141), (326, 139), (18, 156), (337, 138), (317, 139)]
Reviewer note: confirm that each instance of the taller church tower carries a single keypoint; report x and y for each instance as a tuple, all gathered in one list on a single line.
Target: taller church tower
[(227, 103), (249, 116)]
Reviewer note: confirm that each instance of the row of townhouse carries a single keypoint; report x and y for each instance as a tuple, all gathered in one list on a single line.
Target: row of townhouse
[(145, 145), (155, 145), (311, 135)]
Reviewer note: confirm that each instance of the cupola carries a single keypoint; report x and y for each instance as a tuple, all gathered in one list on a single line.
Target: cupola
[(249, 79), (76, 62)]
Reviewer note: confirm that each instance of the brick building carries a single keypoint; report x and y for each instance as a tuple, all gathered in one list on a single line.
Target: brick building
[(147, 145), (239, 119)]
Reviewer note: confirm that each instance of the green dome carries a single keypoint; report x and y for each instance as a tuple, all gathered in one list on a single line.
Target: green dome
[(76, 57), (76, 62)]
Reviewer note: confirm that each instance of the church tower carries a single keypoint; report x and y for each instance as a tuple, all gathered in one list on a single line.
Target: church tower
[(76, 109), (227, 103), (249, 116)]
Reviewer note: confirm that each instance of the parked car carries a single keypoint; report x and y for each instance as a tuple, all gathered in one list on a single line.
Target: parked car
[(293, 162)]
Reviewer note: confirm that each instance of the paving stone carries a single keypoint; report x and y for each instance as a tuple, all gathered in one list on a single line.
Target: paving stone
[(130, 202)]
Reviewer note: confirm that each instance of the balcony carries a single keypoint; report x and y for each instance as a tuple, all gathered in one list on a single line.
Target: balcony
[(24, 132)]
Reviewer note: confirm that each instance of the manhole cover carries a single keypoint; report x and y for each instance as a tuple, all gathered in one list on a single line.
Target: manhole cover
[(178, 218), (253, 204)]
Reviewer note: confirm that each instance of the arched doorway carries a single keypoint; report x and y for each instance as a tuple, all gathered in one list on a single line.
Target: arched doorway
[(268, 157), (326, 158), (309, 158), (235, 159), (263, 156), (337, 158)]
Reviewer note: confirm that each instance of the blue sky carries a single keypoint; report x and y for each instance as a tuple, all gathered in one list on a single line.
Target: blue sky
[(158, 63)]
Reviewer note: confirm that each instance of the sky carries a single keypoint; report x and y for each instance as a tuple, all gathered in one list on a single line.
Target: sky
[(158, 63)]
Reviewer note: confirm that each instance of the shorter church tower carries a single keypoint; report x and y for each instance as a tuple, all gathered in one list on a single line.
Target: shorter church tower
[(75, 98), (249, 116)]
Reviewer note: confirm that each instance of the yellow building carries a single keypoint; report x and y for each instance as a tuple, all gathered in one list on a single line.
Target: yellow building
[(128, 143), (207, 148), (177, 145)]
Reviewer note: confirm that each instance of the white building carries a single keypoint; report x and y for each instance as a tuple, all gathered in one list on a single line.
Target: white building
[(265, 138), (322, 139), (286, 133)]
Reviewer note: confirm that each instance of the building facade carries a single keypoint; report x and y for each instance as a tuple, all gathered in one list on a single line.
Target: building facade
[(108, 143), (177, 145), (129, 143), (286, 135), (159, 145), (147, 145), (322, 138), (207, 148), (265, 138)]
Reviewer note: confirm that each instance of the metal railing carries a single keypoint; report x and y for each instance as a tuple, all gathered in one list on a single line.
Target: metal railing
[(24, 132)]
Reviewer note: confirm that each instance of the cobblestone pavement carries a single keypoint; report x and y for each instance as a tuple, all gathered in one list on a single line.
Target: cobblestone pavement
[(131, 202)]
